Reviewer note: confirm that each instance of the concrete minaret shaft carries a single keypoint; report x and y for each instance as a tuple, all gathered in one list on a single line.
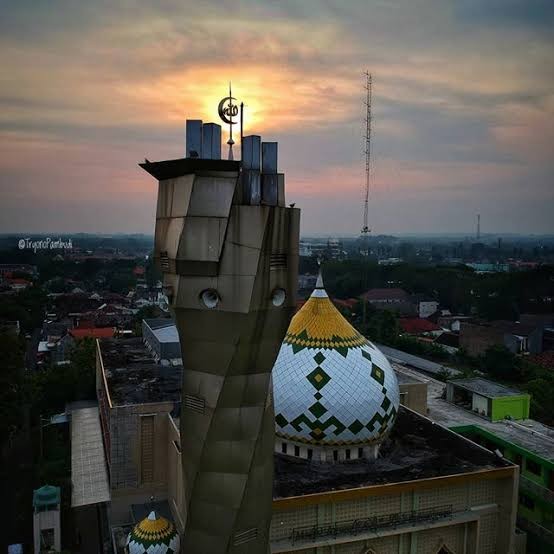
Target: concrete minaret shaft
[(228, 250)]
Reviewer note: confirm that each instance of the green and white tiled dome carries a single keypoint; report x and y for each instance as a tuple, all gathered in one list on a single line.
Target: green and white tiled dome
[(332, 387), (153, 535)]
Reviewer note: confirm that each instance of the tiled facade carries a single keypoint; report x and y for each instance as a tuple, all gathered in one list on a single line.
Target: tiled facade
[(481, 520)]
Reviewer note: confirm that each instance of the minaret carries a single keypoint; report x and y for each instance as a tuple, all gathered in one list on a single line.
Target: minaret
[(227, 246)]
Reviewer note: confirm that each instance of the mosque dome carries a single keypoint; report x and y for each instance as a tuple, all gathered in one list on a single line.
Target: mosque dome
[(153, 535), (332, 387)]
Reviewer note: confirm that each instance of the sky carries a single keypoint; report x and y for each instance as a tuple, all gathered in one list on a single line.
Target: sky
[(463, 108)]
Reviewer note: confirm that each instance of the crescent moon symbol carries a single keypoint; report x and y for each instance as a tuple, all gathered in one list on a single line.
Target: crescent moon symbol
[(222, 113)]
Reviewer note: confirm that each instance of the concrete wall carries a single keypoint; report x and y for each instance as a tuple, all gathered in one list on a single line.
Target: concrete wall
[(517, 407), (414, 396), (127, 482), (476, 339), (480, 404)]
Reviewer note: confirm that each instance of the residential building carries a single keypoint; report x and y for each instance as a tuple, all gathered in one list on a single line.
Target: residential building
[(477, 338), (488, 399), (161, 337), (393, 299), (525, 442), (419, 327)]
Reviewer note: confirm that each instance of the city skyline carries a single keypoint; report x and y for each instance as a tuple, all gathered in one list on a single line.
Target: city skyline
[(462, 109)]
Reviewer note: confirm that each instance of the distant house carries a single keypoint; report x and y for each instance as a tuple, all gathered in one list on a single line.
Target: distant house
[(394, 299), (18, 283), (93, 333), (7, 269), (417, 326), (424, 306), (450, 342), (449, 321), (519, 338), (489, 399)]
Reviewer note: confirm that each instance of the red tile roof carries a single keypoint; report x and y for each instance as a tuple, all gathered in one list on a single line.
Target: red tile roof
[(416, 326), (93, 332), (545, 359)]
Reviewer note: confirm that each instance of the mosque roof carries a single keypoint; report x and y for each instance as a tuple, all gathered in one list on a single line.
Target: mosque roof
[(153, 535), (331, 385)]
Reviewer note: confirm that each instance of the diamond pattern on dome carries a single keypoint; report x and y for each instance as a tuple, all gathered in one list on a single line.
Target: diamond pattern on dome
[(355, 389), (280, 420), (318, 378), (378, 374), (318, 409), (319, 358)]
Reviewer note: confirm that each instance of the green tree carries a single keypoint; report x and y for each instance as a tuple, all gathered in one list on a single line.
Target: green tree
[(542, 393), (12, 386), (502, 364)]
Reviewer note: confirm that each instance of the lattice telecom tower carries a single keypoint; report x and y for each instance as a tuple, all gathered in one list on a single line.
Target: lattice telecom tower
[(365, 228)]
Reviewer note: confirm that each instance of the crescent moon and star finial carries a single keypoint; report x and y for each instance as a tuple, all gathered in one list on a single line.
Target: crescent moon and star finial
[(227, 110)]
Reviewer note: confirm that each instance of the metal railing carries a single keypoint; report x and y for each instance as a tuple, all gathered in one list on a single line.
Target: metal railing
[(356, 526)]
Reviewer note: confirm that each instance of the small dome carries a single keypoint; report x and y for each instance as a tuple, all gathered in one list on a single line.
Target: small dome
[(153, 535), (332, 386)]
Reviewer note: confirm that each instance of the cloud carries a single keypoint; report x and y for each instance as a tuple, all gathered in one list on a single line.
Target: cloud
[(462, 102)]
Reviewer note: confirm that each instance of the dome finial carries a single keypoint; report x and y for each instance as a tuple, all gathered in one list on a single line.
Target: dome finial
[(319, 282), (319, 290)]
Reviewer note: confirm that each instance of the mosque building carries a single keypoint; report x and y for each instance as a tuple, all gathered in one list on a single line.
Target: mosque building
[(223, 454), (354, 471)]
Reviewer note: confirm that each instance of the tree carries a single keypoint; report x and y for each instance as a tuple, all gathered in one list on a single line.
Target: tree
[(542, 393), (12, 386), (502, 364), (56, 386)]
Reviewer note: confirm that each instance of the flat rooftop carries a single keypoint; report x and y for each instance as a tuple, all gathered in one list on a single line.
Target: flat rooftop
[(416, 449), (159, 322), (405, 378), (89, 475), (485, 388), (528, 433), (134, 377)]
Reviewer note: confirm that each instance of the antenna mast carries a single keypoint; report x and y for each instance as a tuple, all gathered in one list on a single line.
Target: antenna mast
[(365, 229)]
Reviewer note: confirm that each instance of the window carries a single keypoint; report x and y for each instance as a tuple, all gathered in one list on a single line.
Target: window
[(310, 453), (297, 451), (347, 453), (284, 447), (335, 455), (147, 449), (360, 452), (532, 467), (524, 500)]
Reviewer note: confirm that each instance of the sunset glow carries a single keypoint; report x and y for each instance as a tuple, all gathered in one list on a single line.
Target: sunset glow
[(461, 115)]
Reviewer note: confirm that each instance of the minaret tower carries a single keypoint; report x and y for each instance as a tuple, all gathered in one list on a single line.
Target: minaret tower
[(227, 246)]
